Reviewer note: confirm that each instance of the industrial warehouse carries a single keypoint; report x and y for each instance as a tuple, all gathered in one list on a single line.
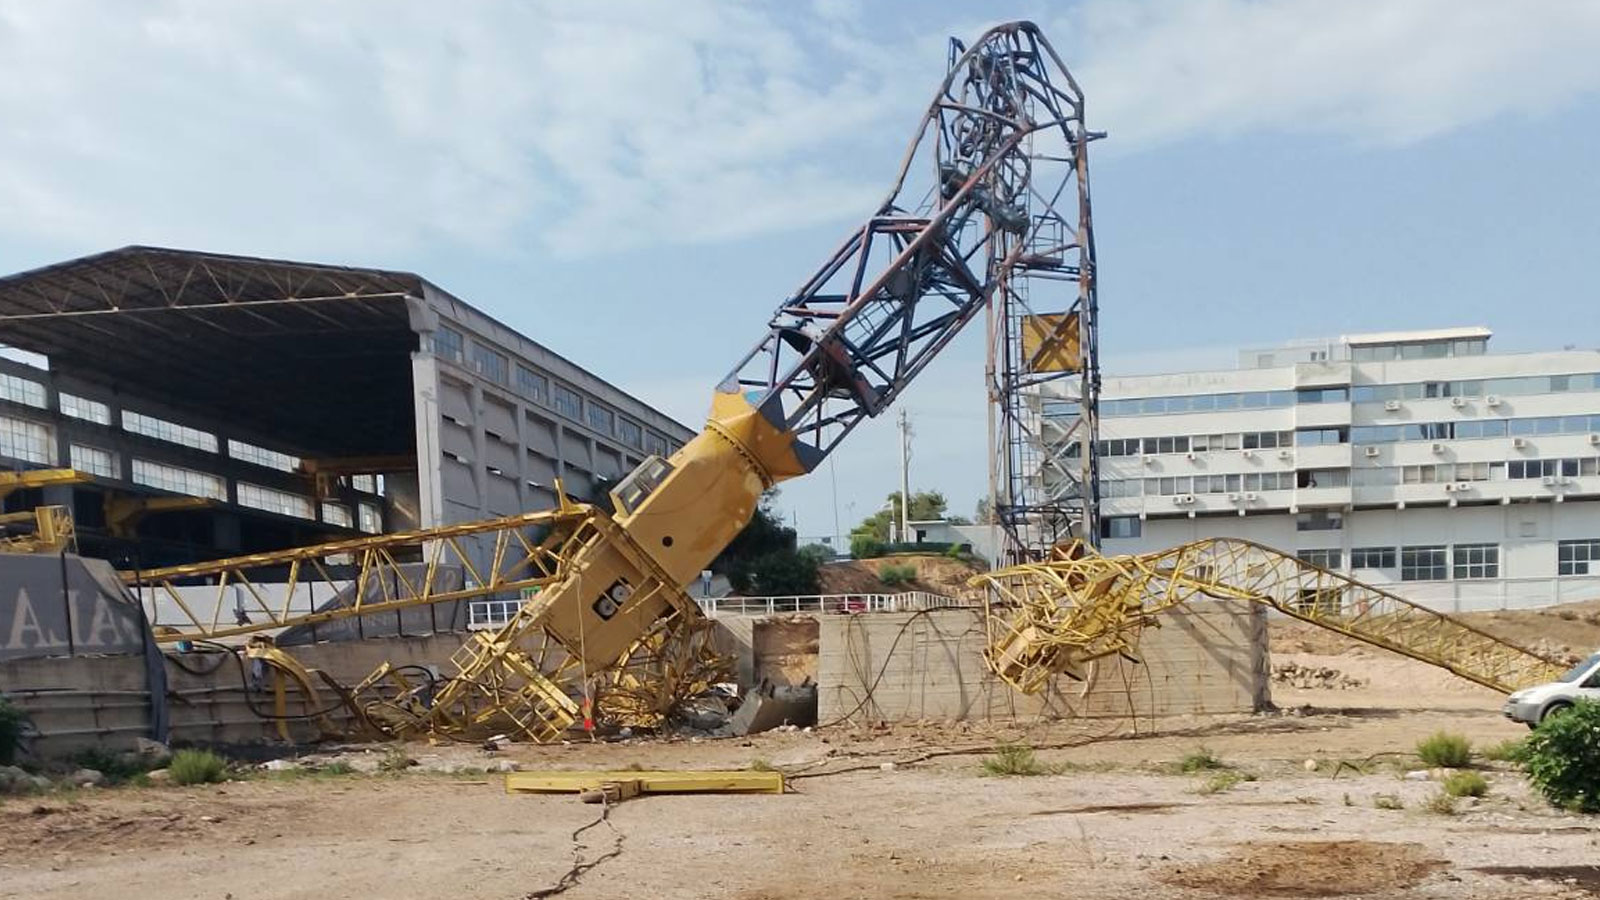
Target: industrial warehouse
[(318, 580)]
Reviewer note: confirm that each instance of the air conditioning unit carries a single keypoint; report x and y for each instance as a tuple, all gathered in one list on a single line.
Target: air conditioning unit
[(1594, 438), (1372, 451), (1236, 497), (1463, 486), (1149, 460), (1438, 448), (1189, 455), (1547, 480), (1284, 454), (1563, 479), (1458, 402), (1519, 443), (1250, 496), (1183, 499), (1492, 400), (1449, 487), (1391, 405), (1248, 453)]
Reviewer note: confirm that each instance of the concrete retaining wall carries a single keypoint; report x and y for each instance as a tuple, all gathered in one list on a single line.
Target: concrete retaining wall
[(1207, 659)]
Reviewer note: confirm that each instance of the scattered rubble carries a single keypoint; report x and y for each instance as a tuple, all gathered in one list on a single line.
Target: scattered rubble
[(1314, 677)]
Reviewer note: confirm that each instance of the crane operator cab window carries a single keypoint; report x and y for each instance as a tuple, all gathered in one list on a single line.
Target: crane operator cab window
[(640, 483)]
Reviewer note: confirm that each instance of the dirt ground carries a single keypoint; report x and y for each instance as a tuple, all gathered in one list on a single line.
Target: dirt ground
[(903, 813), (935, 574)]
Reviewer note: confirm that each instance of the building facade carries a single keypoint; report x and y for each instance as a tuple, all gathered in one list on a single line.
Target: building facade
[(1416, 461)]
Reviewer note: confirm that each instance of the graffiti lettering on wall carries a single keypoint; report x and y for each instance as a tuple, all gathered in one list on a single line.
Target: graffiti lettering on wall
[(54, 606)]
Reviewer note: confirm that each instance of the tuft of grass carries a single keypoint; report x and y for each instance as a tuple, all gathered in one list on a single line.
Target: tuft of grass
[(1014, 759), (1441, 803), (896, 574), (761, 764), (1466, 783), (117, 768), (338, 767), (1224, 780), (1445, 749), (1387, 801), (395, 759), (197, 767), (1513, 750), (1201, 759)]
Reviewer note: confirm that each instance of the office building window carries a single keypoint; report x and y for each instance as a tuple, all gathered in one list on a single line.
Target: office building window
[(1121, 527), (567, 402), (1476, 560), (179, 480), (655, 444), (1372, 558), (370, 519), (283, 503), (1323, 395), (534, 386), (1315, 437), (449, 344), (1427, 563), (171, 432), (26, 441), (21, 390), (261, 456), (1574, 557), (83, 408), (491, 364), (600, 418), (1319, 520), (94, 461), (1327, 559)]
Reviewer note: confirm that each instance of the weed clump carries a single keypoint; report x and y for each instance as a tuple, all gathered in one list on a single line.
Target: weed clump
[(1014, 759), (1200, 760), (1445, 750), (197, 767), (1465, 784)]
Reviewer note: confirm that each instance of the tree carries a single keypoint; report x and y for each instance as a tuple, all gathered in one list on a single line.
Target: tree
[(984, 514), (763, 558), (925, 506)]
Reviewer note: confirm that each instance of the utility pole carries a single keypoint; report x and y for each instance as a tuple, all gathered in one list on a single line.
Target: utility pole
[(905, 477)]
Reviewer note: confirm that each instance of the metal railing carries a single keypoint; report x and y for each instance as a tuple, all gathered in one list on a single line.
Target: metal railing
[(907, 601)]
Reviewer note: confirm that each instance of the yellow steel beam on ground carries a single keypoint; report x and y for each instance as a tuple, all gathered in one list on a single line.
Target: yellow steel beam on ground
[(1056, 617), (649, 782)]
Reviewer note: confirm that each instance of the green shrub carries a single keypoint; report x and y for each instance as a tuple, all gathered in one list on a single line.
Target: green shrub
[(1466, 784), (1223, 781), (895, 575), (865, 546), (1014, 759), (1441, 803), (1388, 801), (1200, 760), (197, 767), (118, 768), (1563, 758), (12, 720), (1445, 750), (956, 551)]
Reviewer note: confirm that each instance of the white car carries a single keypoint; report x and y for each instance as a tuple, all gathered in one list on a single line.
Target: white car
[(1533, 705)]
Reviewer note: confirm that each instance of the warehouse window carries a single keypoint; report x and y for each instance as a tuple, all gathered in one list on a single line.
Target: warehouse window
[(1372, 558), (630, 432), (600, 418), (21, 390), (1423, 563), (1327, 559), (655, 445), (1318, 520), (490, 364), (273, 500), (533, 385), (371, 520), (171, 432), (261, 456), (83, 408), (1574, 557), (1476, 560), (27, 441), (94, 461), (567, 401), (337, 514), (179, 480), (449, 344), (1121, 527)]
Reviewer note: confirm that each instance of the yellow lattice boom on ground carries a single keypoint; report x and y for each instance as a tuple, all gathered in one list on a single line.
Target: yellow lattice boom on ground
[(1056, 617), (514, 679)]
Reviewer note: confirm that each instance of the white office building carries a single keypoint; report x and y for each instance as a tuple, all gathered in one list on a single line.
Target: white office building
[(1417, 461)]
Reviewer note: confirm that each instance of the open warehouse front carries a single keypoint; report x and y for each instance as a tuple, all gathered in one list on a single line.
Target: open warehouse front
[(213, 405)]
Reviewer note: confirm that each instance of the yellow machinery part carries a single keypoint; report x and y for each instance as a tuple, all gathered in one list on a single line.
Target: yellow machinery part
[(647, 782), (1055, 617)]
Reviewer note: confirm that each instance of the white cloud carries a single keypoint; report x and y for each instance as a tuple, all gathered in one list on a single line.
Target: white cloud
[(1370, 72), (376, 127)]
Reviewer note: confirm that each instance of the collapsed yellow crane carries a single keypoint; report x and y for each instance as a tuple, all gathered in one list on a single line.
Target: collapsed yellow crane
[(1057, 617)]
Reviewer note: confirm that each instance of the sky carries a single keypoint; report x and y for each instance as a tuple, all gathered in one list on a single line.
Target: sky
[(638, 184)]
